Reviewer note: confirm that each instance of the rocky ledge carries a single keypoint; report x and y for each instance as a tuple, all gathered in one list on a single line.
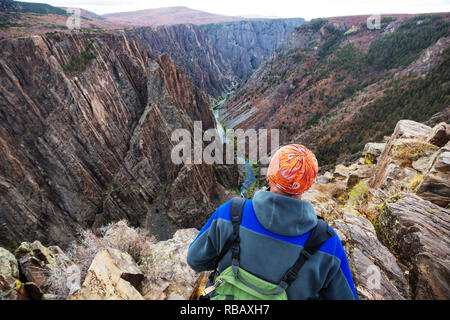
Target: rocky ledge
[(396, 235), (122, 263)]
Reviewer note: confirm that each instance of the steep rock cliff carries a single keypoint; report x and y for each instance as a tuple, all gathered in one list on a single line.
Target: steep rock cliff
[(85, 135), (216, 55)]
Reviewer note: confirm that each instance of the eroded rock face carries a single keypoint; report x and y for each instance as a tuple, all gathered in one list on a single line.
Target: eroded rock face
[(244, 44), (105, 280), (408, 153), (435, 186), (361, 173), (216, 55), (372, 151), (83, 143), (405, 129), (374, 269), (440, 135), (418, 232), (8, 264), (38, 262)]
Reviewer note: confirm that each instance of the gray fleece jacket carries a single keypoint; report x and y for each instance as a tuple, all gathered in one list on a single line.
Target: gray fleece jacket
[(273, 231)]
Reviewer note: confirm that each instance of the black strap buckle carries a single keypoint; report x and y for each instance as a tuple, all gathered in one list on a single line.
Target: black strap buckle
[(290, 276)]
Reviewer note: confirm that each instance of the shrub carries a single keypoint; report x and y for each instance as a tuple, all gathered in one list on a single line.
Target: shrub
[(415, 181), (79, 64), (358, 193)]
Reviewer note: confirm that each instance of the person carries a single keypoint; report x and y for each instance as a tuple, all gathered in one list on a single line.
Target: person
[(274, 228)]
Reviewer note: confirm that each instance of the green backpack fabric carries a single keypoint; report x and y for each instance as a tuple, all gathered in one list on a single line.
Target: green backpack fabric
[(235, 283)]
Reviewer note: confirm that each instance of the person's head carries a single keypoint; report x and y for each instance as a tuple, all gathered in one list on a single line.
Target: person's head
[(292, 170)]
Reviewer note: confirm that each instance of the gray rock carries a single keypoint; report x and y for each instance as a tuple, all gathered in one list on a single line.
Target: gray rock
[(435, 186), (374, 269), (363, 172), (411, 129), (418, 232), (372, 151), (8, 288), (322, 180), (440, 135), (37, 262), (8, 264), (104, 281), (423, 164), (406, 145)]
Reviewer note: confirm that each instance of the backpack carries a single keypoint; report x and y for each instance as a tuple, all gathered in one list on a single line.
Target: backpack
[(235, 283)]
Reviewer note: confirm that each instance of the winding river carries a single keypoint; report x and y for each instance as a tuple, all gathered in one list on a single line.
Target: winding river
[(250, 177)]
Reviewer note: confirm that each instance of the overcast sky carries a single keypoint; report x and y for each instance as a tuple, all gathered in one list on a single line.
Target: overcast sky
[(282, 8)]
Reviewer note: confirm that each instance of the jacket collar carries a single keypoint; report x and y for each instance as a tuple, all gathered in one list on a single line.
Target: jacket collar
[(284, 215)]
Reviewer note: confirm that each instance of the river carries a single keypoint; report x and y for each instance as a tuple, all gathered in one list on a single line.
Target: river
[(250, 177)]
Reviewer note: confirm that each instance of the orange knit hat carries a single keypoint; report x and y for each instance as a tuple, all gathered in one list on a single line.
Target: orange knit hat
[(293, 169)]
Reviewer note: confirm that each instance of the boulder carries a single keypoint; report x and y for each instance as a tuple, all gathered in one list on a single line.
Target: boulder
[(322, 179), (167, 275), (435, 186), (9, 287), (342, 172), (396, 179), (372, 151), (406, 145), (423, 164), (440, 135), (328, 210), (418, 232), (8, 264), (374, 269), (411, 129), (104, 280), (361, 173), (323, 192), (38, 262), (128, 267)]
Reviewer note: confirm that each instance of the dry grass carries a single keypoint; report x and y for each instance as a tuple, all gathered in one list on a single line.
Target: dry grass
[(415, 181), (136, 242), (411, 150)]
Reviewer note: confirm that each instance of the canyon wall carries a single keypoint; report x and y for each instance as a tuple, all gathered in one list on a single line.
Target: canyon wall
[(217, 55), (85, 135)]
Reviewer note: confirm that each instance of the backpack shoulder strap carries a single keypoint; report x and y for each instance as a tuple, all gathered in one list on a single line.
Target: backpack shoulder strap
[(236, 207), (319, 234)]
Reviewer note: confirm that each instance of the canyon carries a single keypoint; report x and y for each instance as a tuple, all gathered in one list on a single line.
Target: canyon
[(336, 84), (86, 122), (81, 114)]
